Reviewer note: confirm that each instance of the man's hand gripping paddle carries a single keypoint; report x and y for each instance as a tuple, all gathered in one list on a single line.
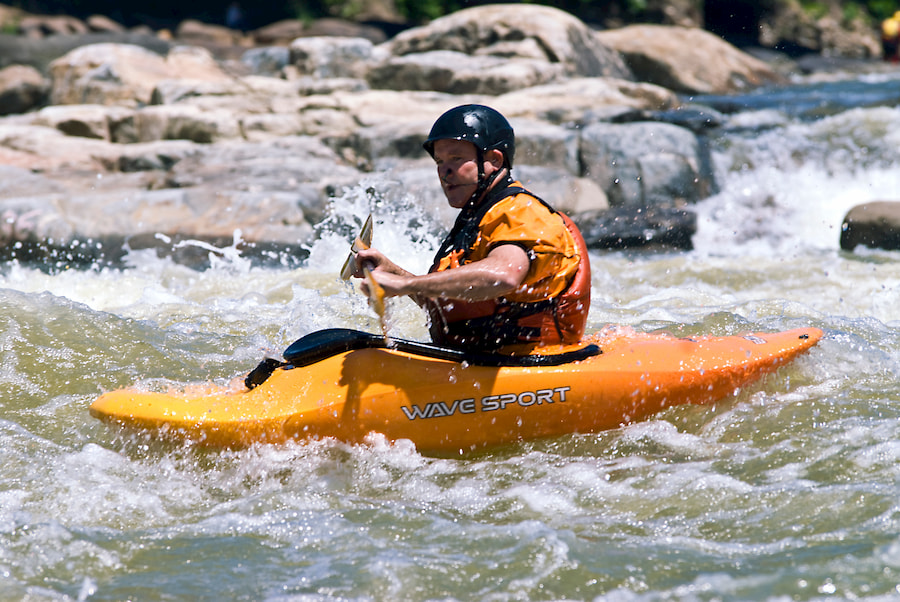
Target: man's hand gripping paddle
[(376, 293), (363, 241)]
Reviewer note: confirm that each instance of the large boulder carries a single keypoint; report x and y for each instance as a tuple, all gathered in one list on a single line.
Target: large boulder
[(563, 190), (548, 145), (329, 57), (583, 100), (103, 24), (458, 73), (266, 60), (272, 193), (875, 225), (207, 35), (652, 228), (123, 74), (537, 143), (691, 61), (391, 107), (646, 164), (298, 166), (507, 32), (282, 33), (19, 50)]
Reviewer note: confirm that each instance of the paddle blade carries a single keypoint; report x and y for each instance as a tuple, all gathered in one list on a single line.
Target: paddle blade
[(362, 241), (365, 235), (347, 269)]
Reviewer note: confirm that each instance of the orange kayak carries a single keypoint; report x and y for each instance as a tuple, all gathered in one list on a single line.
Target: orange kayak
[(345, 384)]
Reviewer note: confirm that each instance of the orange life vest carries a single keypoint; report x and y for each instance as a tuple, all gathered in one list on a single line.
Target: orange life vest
[(496, 323)]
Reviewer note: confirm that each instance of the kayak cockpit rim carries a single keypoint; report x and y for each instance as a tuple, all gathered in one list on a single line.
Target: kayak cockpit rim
[(323, 344)]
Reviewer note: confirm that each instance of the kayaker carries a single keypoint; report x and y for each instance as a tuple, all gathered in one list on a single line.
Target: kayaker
[(512, 271)]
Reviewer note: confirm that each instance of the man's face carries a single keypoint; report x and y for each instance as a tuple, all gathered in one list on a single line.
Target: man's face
[(457, 165)]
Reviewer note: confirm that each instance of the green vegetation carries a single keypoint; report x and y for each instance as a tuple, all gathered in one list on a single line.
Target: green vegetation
[(418, 11), (873, 11), (414, 11), (882, 9), (817, 10)]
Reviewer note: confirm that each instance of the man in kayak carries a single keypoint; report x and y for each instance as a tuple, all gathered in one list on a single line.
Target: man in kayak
[(512, 271)]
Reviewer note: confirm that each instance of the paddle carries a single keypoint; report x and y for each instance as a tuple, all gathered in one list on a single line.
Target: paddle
[(376, 301), (362, 241), (376, 293)]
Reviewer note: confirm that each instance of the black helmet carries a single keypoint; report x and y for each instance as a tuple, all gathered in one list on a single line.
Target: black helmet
[(482, 126)]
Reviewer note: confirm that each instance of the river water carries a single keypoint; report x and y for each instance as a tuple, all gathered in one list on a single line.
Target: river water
[(788, 491)]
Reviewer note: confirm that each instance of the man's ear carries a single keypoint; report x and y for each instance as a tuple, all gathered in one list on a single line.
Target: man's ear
[(495, 157)]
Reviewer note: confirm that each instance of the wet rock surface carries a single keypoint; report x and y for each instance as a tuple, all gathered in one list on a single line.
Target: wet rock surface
[(115, 139)]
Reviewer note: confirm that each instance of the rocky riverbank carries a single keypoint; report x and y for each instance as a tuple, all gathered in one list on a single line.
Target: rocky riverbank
[(132, 140)]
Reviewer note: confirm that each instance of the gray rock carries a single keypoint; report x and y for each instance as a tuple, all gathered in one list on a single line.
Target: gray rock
[(564, 191), (583, 100), (548, 145), (123, 74), (16, 181), (512, 31), (458, 73), (654, 228), (332, 57), (268, 60), (20, 50), (288, 30), (680, 59), (875, 225), (33, 218), (377, 145), (493, 50), (160, 148), (646, 164)]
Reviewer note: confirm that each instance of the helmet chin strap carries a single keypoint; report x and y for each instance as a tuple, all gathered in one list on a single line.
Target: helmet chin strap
[(484, 182)]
